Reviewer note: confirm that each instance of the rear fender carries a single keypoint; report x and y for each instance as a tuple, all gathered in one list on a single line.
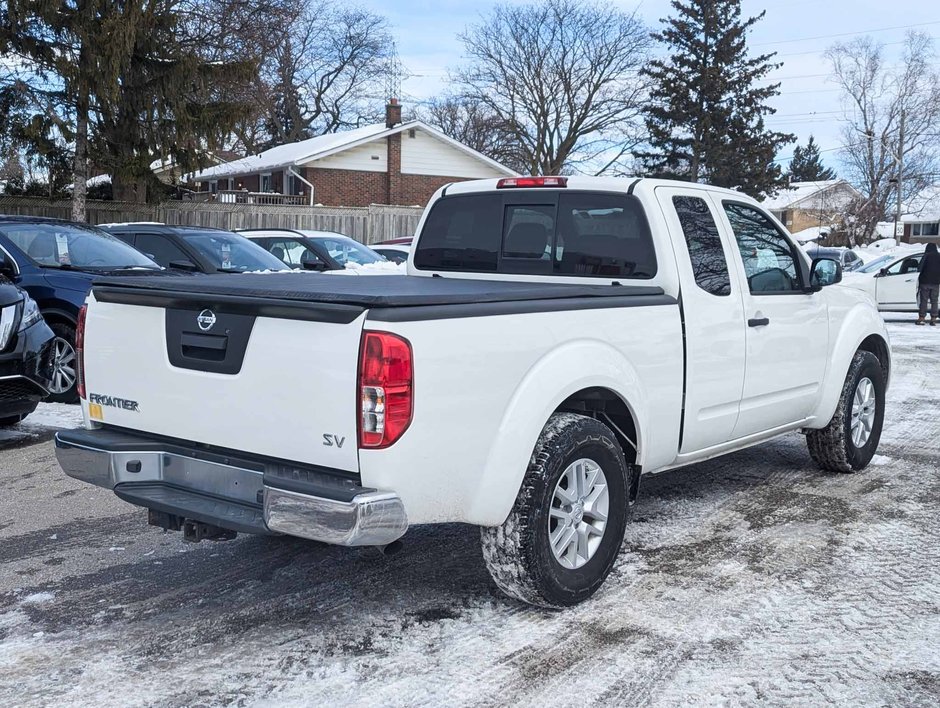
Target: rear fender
[(532, 404)]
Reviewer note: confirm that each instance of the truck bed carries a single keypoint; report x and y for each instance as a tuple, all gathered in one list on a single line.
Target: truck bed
[(371, 292), (389, 298)]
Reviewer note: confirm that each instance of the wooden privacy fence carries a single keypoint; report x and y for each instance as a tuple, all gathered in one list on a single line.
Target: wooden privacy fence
[(365, 224)]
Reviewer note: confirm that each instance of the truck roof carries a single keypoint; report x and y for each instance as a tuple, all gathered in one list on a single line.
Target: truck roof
[(600, 184)]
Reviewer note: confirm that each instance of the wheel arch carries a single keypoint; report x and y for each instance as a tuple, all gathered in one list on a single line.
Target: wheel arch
[(862, 330), (56, 315), (878, 345), (610, 391)]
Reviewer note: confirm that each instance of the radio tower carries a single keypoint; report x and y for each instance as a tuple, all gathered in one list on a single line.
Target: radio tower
[(394, 75)]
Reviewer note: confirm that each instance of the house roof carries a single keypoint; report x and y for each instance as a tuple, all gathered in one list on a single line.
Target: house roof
[(799, 192), (924, 207), (294, 154)]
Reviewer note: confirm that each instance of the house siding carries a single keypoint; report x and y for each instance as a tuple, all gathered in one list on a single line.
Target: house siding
[(425, 154), (370, 157)]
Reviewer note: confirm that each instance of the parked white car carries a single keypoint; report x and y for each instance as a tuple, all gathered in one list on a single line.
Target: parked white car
[(393, 252), (554, 338), (891, 280), (323, 251)]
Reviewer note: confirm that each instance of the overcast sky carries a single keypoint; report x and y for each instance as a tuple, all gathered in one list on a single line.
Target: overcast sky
[(799, 30)]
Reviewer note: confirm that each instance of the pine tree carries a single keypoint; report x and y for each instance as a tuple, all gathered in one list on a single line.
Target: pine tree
[(805, 166), (707, 108), (127, 81)]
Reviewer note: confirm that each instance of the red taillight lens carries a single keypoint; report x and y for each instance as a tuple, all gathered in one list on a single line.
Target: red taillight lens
[(385, 389), (80, 350), (521, 182)]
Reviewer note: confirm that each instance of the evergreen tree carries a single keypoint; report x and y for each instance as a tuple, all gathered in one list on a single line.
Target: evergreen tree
[(707, 108), (805, 166), (125, 80)]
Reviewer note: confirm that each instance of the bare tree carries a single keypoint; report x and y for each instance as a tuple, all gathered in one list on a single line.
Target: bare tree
[(891, 147), (326, 71), (474, 125), (563, 76)]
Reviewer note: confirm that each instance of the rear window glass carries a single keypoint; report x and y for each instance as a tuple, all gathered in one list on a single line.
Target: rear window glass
[(584, 234), (462, 233)]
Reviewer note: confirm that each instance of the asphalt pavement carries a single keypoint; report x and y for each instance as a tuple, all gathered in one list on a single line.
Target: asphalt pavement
[(753, 578)]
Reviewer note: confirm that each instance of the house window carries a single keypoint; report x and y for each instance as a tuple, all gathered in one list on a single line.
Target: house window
[(290, 183), (231, 183), (265, 182), (929, 229), (214, 186)]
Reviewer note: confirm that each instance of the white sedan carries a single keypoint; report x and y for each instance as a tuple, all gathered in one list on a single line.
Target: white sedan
[(891, 280)]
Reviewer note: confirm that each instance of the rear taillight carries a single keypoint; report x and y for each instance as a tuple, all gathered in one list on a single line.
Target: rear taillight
[(522, 182), (385, 389), (80, 350)]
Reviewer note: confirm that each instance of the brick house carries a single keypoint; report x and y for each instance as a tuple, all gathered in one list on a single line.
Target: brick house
[(391, 163), (820, 206), (922, 217)]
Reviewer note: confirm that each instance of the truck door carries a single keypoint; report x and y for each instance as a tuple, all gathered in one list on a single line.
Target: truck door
[(787, 326), (713, 314)]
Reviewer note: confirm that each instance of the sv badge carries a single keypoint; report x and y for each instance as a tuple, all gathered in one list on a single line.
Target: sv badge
[(333, 440)]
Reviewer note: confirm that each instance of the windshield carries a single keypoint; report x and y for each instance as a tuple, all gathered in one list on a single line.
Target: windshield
[(345, 250), (876, 265), (231, 252), (54, 245)]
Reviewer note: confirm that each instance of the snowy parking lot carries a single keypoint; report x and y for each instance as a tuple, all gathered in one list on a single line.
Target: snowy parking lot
[(753, 578)]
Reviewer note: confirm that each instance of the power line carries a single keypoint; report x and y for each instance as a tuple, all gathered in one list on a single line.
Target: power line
[(845, 34), (820, 51)]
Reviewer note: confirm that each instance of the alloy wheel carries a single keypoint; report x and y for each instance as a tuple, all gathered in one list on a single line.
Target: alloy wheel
[(864, 404), (63, 366), (578, 515)]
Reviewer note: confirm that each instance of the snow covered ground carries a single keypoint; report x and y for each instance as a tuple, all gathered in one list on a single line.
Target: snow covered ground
[(749, 579), (41, 423)]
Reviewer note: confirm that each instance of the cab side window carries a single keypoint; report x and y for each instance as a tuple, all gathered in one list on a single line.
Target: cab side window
[(704, 242), (905, 266), (160, 248), (769, 261)]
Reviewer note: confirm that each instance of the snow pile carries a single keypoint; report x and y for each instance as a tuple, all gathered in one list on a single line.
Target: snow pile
[(38, 598), (809, 236), (380, 268)]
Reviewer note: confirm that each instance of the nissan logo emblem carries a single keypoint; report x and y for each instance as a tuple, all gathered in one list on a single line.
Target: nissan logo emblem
[(206, 320)]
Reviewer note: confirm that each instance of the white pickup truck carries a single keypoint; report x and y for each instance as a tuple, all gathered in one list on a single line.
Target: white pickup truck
[(555, 337)]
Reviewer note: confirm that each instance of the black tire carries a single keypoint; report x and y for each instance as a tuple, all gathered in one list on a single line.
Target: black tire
[(67, 333), (832, 447), (518, 554)]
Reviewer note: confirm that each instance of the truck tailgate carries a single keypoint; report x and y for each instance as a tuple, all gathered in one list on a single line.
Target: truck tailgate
[(271, 382)]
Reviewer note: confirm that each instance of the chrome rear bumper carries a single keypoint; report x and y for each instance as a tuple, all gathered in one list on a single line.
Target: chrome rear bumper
[(251, 496)]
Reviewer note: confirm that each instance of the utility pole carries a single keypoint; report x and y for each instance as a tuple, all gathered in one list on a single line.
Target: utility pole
[(900, 162)]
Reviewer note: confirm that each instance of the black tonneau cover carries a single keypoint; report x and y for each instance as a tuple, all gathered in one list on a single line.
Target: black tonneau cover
[(372, 291)]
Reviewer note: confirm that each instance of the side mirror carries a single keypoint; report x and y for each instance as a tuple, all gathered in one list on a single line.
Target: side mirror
[(187, 266), (882, 273), (825, 271), (314, 265), (7, 266)]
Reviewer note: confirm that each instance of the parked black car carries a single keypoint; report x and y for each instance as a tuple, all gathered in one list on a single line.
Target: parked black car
[(26, 352), (55, 262), (197, 249)]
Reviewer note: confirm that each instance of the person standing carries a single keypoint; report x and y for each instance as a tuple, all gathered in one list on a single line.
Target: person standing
[(929, 284)]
